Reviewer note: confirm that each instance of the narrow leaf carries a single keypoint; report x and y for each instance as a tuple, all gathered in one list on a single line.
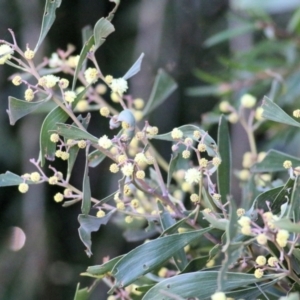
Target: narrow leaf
[(81, 294), (224, 169), (86, 189), (136, 67), (272, 111), (9, 179), (95, 158), (89, 224), (294, 211), (102, 30), (157, 252), (215, 222), (19, 108), (48, 19), (288, 225), (164, 86)]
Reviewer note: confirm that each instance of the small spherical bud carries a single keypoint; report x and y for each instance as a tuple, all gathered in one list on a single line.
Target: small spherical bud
[(81, 144), (192, 176), (272, 261), (125, 125), (261, 260), (54, 137), (240, 212), (140, 174), (5, 53), (150, 159), (261, 156), (134, 203), (58, 197), (287, 164), (203, 162), (63, 83), (259, 114), (246, 230), (152, 130), (82, 105), (244, 175), (122, 158), (104, 111), (128, 219), (248, 101), (207, 210), (35, 176), (188, 142), (282, 237), (115, 97), (108, 79), (140, 135), (17, 80), (216, 196), (138, 115), (194, 198), (53, 180), (225, 107), (120, 206), (29, 54), (162, 272), (258, 273), (29, 95), (101, 88), (23, 187), (138, 103), (296, 113), (119, 86), (67, 192), (218, 296), (197, 134), (58, 153), (233, 118), (176, 134), (186, 154), (262, 239), (91, 75), (114, 168), (210, 263), (244, 221), (127, 169), (100, 213), (65, 155), (105, 142), (72, 61), (216, 161), (48, 81), (247, 160), (201, 147), (69, 96), (174, 148)]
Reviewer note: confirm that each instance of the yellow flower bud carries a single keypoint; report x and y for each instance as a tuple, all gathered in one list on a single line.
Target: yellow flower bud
[(248, 101), (17, 80), (261, 260), (104, 111), (23, 188), (54, 137), (59, 197), (29, 95), (114, 168), (29, 54), (194, 198), (101, 88), (53, 180), (35, 176), (128, 219), (81, 144), (287, 164), (140, 174), (100, 213), (138, 103), (258, 273)]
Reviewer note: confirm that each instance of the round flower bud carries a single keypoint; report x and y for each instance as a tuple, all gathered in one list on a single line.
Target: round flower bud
[(218, 296), (81, 144), (201, 147), (69, 96), (192, 176), (287, 164), (138, 115), (101, 88), (233, 118), (115, 97), (162, 272), (138, 103), (216, 196), (127, 169), (210, 264), (248, 101), (120, 206), (272, 261), (104, 111), (119, 86), (67, 192), (108, 79), (58, 153), (72, 61), (244, 221), (63, 83), (194, 198), (48, 81), (29, 95), (258, 273), (244, 175), (29, 54), (246, 230), (17, 80), (282, 237), (186, 154), (188, 142), (100, 213), (65, 155), (197, 134), (134, 203), (23, 187), (5, 53), (153, 130), (216, 161), (296, 113), (128, 219), (91, 75), (140, 174), (114, 168), (53, 180), (203, 162), (35, 176), (224, 106), (240, 212), (82, 105), (54, 137), (105, 142), (261, 239), (176, 134), (247, 160), (261, 260), (259, 114), (59, 197)]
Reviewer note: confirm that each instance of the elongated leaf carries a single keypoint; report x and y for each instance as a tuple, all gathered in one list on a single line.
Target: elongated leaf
[(199, 284), (196, 264), (19, 108), (229, 34), (81, 294), (294, 23), (282, 196), (272, 111), (9, 179), (95, 158), (224, 170), (157, 252), (164, 86), (102, 30), (167, 221), (136, 67), (74, 133), (294, 211), (288, 225), (211, 90), (188, 131), (48, 20), (273, 162), (215, 222), (86, 189), (102, 270), (89, 224), (260, 201)]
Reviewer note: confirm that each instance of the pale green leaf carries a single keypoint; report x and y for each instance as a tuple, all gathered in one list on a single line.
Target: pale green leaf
[(164, 86), (136, 67), (147, 257), (81, 294), (9, 179), (102, 30), (95, 158), (86, 190), (215, 222), (48, 20), (287, 225)]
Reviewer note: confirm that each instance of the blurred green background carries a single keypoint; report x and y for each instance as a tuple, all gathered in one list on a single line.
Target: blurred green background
[(171, 33)]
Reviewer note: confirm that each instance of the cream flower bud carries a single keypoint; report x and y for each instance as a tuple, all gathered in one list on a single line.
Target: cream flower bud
[(5, 53), (17, 80), (119, 86), (105, 142), (29, 95), (91, 75), (192, 176), (248, 101), (23, 188), (69, 96), (29, 54)]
